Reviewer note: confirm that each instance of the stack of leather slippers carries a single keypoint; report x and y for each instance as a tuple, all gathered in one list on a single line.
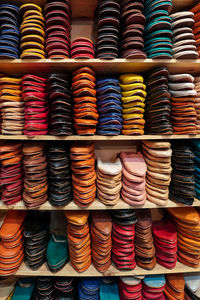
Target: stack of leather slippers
[(85, 108), (133, 97), (130, 288), (82, 47), (64, 288), (187, 224), (174, 288), (11, 244), (123, 253), (157, 156), (59, 175), (12, 106), (158, 108), (11, 173), (44, 288), (196, 150), (165, 241), (182, 187), (57, 252), (133, 184), (79, 240), (9, 33), (83, 174), (101, 230), (89, 288), (181, 88), (35, 98), (153, 287), (36, 236), (61, 118), (192, 285), (32, 32), (109, 289), (132, 22), (197, 102), (109, 106), (196, 27), (109, 175), (35, 175), (57, 18), (158, 29), (144, 247), (184, 44), (107, 29), (23, 289)]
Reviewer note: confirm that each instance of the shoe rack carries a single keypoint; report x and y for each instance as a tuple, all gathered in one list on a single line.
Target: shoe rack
[(83, 11)]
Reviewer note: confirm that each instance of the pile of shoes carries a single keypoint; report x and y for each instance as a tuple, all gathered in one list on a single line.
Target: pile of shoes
[(82, 47), (165, 241), (133, 97), (101, 230), (24, 289), (12, 106), (184, 44), (83, 174), (197, 102), (153, 287), (11, 172), (35, 175), (130, 288), (109, 289), (123, 253), (58, 28), (132, 23), (60, 113), (157, 156), (9, 34), (85, 107), (89, 288), (57, 252), (109, 106), (134, 171), (78, 235), (11, 243), (182, 187), (174, 287), (196, 27), (107, 27), (35, 98), (64, 288), (158, 108), (32, 31), (158, 29), (109, 175), (36, 237), (192, 286), (187, 222), (144, 247), (44, 288), (196, 178), (59, 175), (183, 94)]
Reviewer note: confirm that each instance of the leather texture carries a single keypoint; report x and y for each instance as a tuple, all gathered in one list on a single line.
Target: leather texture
[(109, 289), (130, 288), (153, 287), (82, 47), (174, 288), (89, 288)]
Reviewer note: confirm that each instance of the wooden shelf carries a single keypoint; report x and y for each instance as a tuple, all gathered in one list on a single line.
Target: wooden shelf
[(112, 271), (96, 205), (98, 137), (115, 66)]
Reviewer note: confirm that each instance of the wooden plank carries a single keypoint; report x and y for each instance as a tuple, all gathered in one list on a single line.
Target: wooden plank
[(112, 271), (118, 66), (96, 205), (98, 137)]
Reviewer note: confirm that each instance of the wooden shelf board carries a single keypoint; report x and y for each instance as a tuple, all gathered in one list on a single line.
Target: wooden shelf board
[(96, 205), (46, 66), (112, 271), (98, 137)]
